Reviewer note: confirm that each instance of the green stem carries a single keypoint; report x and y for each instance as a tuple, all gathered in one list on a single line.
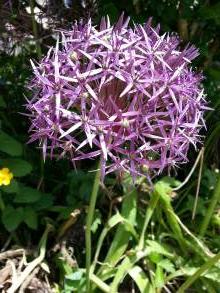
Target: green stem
[(150, 209), (34, 27), (99, 245), (99, 283), (125, 266), (89, 220), (174, 224), (198, 273), (215, 199)]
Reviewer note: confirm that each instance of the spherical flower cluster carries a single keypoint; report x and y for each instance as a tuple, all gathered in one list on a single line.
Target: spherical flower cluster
[(125, 94)]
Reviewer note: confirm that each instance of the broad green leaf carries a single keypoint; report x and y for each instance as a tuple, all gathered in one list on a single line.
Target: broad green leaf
[(155, 257), (141, 280), (75, 282), (63, 211), (9, 145), (30, 218), (167, 265), (45, 202), (155, 247), (27, 195), (13, 187), (18, 167), (75, 276), (11, 217)]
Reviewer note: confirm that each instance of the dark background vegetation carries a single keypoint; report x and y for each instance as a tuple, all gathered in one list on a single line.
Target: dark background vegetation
[(48, 192)]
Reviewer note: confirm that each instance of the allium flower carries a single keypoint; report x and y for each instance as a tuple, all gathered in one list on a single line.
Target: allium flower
[(126, 95)]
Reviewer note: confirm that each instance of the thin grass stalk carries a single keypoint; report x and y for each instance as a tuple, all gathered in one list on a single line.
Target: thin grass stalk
[(99, 283), (214, 201), (198, 184), (150, 209), (89, 221), (204, 268)]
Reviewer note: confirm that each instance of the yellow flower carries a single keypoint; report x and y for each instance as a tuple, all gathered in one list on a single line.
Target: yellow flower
[(5, 176)]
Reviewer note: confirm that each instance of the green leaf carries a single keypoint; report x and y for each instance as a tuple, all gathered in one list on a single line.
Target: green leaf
[(126, 265), (13, 187), (64, 268), (209, 285), (64, 212), (155, 247), (11, 217), (30, 218), (215, 221), (167, 265), (76, 276), (75, 282), (141, 280), (172, 182), (27, 195), (18, 167), (9, 145), (212, 274), (159, 277), (155, 257), (121, 238), (96, 222), (163, 187), (114, 220), (45, 202)]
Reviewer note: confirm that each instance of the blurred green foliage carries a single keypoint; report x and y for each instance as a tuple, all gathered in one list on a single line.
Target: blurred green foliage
[(49, 192)]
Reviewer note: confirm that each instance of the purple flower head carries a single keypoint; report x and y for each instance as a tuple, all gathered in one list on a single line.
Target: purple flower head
[(126, 95)]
